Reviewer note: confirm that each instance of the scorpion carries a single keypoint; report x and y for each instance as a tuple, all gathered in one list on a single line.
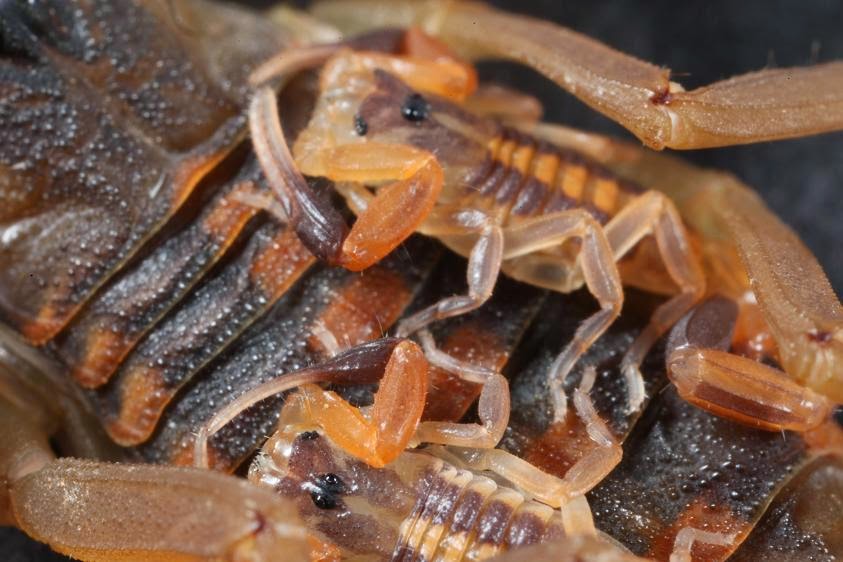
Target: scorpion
[(414, 145)]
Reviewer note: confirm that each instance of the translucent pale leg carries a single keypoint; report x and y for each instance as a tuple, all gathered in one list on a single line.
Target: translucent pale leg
[(263, 201), (571, 549), (567, 493), (653, 213), (765, 105), (438, 358), (742, 241), (686, 538), (493, 411), (484, 263), (101, 512), (596, 262), (505, 104)]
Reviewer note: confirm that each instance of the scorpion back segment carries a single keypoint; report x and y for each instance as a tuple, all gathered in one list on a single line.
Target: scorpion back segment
[(228, 362)]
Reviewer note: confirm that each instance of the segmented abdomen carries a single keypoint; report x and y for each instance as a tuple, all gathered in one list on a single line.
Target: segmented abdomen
[(462, 516), (529, 177)]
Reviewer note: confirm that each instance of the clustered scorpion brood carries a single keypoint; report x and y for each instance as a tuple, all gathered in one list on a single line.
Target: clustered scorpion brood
[(169, 240)]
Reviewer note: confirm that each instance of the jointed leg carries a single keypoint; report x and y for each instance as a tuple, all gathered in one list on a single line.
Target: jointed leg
[(653, 213), (493, 410), (597, 266), (567, 493), (484, 264), (686, 538)]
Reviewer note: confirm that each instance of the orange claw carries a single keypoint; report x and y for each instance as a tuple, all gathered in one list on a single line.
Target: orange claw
[(397, 209), (395, 414), (745, 391)]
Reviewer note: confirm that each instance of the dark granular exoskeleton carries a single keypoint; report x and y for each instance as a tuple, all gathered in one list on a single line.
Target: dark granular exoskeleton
[(132, 258)]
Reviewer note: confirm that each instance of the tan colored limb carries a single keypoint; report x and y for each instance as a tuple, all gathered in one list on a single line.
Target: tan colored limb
[(742, 243), (765, 105), (484, 263), (24, 448), (505, 104), (746, 247), (686, 538), (567, 493), (438, 358), (597, 266), (800, 306), (731, 386), (493, 411), (571, 549), (100, 512), (653, 213)]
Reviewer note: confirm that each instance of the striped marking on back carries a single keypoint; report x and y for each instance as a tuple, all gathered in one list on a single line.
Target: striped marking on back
[(463, 516), (531, 178)]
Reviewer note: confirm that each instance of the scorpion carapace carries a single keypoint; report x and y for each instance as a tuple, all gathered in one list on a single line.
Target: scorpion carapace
[(139, 142)]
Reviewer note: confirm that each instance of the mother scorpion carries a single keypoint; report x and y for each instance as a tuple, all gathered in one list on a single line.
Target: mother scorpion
[(509, 198)]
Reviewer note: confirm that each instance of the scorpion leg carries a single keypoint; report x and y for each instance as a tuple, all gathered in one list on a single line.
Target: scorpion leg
[(686, 538), (98, 512), (765, 105), (484, 263), (732, 386), (653, 213), (505, 104), (493, 411), (746, 250), (567, 493), (597, 265)]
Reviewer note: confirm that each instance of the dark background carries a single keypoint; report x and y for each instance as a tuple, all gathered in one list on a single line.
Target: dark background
[(702, 42)]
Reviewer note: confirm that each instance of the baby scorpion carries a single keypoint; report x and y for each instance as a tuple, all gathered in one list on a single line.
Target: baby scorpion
[(425, 504), (508, 201)]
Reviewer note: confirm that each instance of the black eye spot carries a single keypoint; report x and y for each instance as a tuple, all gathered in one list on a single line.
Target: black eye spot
[(326, 488), (309, 435), (323, 500), (415, 108), (360, 126), (330, 482)]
